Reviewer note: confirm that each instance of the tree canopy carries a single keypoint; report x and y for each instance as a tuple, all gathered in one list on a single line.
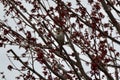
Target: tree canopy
[(90, 50)]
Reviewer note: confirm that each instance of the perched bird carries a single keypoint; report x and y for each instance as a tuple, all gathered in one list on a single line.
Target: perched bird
[(60, 38)]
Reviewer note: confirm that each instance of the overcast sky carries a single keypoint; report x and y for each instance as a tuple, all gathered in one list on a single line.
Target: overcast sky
[(4, 61)]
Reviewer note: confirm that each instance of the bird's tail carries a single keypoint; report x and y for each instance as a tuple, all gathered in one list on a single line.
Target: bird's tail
[(60, 49)]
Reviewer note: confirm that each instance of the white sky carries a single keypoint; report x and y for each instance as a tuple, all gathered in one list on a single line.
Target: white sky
[(4, 61)]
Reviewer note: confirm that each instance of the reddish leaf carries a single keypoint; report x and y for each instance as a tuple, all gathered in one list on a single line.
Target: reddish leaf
[(49, 35), (69, 4), (32, 40), (52, 50), (97, 6), (90, 1), (51, 8), (28, 34), (107, 60), (26, 63), (1, 72), (6, 31), (3, 76), (1, 44), (45, 73), (106, 25), (83, 12), (93, 13), (96, 19), (10, 67), (50, 77), (112, 49), (23, 67), (67, 76), (93, 24), (101, 15), (52, 56), (33, 10), (20, 29), (104, 52), (105, 32), (23, 55), (19, 22), (17, 78), (40, 55), (117, 54)]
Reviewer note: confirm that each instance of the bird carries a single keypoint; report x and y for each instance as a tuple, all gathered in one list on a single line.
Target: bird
[(60, 38)]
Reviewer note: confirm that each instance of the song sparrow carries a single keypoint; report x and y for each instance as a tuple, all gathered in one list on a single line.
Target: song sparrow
[(60, 38)]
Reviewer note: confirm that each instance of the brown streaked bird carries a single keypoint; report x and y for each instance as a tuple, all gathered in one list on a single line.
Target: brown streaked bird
[(60, 38)]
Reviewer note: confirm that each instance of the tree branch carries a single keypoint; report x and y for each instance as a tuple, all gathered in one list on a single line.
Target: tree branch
[(114, 22), (41, 77)]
